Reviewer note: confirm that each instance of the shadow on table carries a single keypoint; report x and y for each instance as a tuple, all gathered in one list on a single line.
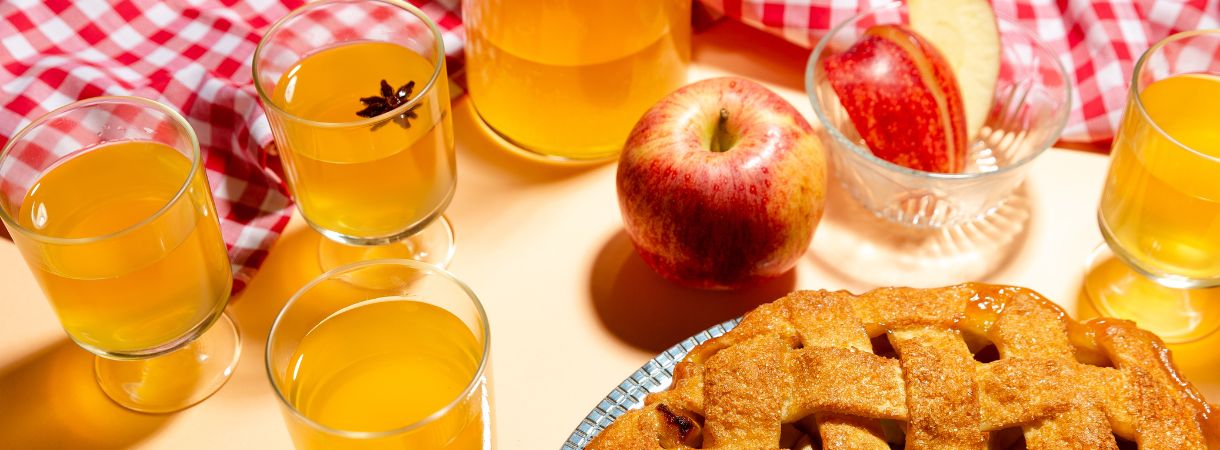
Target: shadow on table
[(50, 400), (291, 264), (646, 311), (480, 145)]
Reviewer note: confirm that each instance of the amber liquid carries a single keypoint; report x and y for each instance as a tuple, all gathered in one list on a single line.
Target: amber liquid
[(1161, 203), (383, 365), (570, 78), (369, 181), (143, 283), (1160, 212)]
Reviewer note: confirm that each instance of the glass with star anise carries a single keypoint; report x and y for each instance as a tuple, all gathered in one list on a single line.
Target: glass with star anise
[(358, 101)]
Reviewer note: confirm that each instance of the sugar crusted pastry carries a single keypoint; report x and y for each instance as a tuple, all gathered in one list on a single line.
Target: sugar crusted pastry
[(807, 362)]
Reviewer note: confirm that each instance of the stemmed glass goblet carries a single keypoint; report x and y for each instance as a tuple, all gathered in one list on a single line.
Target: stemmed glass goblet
[(1160, 208), (107, 201), (358, 101)]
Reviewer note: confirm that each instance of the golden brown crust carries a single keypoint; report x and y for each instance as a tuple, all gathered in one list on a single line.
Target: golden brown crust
[(807, 360), (942, 396)]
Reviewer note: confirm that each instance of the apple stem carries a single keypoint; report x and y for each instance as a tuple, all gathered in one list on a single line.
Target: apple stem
[(722, 139)]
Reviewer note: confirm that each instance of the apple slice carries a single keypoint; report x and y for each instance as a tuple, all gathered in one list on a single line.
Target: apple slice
[(966, 34), (902, 98)]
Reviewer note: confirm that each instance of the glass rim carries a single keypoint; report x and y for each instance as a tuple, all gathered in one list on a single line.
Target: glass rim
[(484, 357), (1040, 47), (415, 100), (196, 161), (1135, 90)]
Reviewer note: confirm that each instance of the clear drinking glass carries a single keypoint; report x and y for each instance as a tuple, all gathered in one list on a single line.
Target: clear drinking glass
[(566, 80), (383, 354), (1160, 208), (358, 100), (1029, 110), (107, 201)]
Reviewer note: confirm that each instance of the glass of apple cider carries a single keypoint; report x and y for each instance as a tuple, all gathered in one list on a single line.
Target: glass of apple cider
[(358, 101), (568, 79), (1160, 207), (383, 354), (108, 203)]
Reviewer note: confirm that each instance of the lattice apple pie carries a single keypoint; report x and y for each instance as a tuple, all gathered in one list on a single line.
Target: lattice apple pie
[(965, 367)]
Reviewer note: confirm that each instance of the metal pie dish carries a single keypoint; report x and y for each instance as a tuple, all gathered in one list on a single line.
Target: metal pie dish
[(654, 376)]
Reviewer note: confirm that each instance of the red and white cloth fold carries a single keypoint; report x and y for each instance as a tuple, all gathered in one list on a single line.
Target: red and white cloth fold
[(195, 56), (1098, 41)]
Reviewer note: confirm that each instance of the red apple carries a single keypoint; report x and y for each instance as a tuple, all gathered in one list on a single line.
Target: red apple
[(902, 98), (721, 185)]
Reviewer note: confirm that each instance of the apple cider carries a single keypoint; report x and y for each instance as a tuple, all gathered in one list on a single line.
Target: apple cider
[(146, 268), (353, 178), (385, 364), (569, 78), (1161, 202)]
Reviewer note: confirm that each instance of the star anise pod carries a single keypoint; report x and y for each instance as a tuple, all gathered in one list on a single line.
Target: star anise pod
[(387, 101)]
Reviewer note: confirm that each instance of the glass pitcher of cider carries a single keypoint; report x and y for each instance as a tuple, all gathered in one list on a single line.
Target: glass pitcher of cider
[(568, 79)]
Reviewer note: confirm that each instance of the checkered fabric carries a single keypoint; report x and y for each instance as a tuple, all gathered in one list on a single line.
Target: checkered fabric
[(1097, 41), (194, 55)]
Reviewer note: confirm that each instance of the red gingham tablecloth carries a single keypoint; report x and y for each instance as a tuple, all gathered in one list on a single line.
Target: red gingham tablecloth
[(195, 56), (191, 54)]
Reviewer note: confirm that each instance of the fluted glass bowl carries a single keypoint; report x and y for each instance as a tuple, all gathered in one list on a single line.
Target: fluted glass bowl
[(1029, 109)]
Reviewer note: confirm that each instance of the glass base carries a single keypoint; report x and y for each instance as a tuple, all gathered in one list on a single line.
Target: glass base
[(1176, 315), (611, 153), (855, 244), (434, 244), (176, 380), (1162, 277)]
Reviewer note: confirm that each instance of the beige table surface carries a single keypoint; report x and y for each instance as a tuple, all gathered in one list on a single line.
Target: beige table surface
[(573, 311)]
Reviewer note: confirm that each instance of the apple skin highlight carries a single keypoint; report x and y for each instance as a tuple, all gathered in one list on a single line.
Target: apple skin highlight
[(721, 219), (902, 98)]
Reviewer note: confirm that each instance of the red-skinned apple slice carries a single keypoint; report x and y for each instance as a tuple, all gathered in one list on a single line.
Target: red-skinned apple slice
[(902, 98), (965, 33)]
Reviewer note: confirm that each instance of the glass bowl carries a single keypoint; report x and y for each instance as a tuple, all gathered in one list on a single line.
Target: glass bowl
[(1029, 110)]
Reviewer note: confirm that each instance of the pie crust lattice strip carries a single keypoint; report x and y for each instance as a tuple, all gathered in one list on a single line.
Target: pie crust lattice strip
[(807, 362)]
